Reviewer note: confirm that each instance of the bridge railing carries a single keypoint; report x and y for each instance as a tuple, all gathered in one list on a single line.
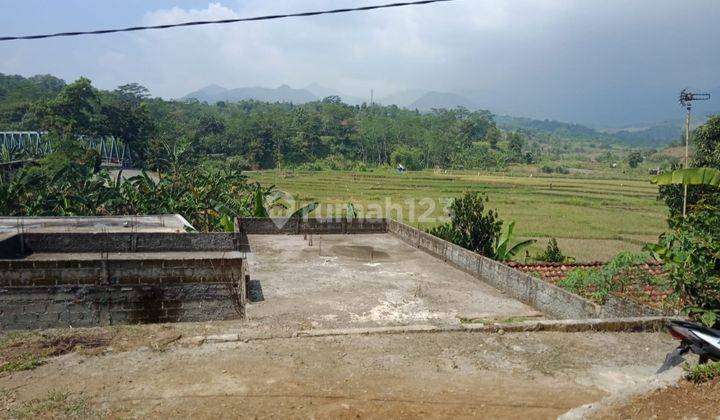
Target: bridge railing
[(18, 145)]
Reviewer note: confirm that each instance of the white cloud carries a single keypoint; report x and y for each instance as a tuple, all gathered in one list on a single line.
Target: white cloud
[(536, 54)]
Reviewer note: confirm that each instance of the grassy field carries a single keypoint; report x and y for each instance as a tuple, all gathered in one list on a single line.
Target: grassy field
[(592, 218)]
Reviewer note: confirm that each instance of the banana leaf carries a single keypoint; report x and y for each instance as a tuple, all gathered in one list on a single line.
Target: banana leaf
[(305, 210), (690, 176)]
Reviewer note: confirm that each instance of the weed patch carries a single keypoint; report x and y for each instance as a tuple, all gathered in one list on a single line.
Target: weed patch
[(702, 373), (624, 275), (55, 405), (28, 363)]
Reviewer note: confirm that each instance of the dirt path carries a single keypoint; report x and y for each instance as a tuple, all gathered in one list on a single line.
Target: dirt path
[(436, 375), (686, 400)]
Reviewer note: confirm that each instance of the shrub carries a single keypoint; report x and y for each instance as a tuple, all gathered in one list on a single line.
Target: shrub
[(552, 252), (702, 373), (606, 157), (635, 159), (547, 169), (562, 170), (28, 363), (470, 226), (690, 252)]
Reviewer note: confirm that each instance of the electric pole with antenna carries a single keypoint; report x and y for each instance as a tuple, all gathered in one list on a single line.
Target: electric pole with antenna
[(686, 99)]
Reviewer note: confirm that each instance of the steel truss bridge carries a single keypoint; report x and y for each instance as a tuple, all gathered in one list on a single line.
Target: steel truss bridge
[(25, 145)]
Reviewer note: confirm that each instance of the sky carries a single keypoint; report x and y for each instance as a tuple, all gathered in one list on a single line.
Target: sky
[(607, 62)]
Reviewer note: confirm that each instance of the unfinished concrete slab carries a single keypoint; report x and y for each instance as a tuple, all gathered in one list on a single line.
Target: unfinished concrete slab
[(328, 281)]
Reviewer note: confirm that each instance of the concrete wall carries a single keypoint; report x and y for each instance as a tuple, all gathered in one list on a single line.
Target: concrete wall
[(324, 226), (548, 298), (616, 306), (75, 242), (85, 305)]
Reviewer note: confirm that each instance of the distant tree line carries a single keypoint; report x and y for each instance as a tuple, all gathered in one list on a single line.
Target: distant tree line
[(323, 134)]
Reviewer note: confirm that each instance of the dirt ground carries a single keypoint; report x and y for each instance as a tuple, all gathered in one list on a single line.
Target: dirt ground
[(271, 371), (686, 400), (143, 371)]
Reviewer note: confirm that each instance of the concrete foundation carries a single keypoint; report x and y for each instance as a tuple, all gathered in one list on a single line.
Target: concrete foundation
[(350, 281), (85, 279)]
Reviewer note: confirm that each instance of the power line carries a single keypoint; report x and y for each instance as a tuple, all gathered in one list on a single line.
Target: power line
[(224, 21)]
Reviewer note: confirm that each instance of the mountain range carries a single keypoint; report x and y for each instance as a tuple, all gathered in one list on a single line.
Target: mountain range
[(421, 100), (283, 93)]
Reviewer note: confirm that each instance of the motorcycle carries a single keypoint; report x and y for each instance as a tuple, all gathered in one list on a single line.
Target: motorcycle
[(703, 341)]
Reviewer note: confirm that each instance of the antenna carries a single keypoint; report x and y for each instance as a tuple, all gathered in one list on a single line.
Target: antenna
[(686, 100)]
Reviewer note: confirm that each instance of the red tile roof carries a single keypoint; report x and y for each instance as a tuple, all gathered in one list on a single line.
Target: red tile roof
[(553, 272)]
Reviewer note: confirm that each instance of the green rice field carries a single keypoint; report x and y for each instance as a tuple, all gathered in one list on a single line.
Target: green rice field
[(592, 218)]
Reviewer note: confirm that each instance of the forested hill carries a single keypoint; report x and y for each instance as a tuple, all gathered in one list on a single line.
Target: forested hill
[(665, 132), (557, 128), (14, 89), (653, 135), (18, 93)]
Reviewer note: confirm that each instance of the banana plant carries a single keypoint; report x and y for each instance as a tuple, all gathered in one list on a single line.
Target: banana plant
[(259, 208), (503, 250), (266, 199), (227, 223)]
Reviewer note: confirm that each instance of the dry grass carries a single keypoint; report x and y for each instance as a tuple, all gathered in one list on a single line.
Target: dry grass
[(26, 350), (54, 405)]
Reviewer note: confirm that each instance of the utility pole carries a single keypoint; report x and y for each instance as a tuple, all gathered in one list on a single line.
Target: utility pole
[(372, 96), (686, 99)]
